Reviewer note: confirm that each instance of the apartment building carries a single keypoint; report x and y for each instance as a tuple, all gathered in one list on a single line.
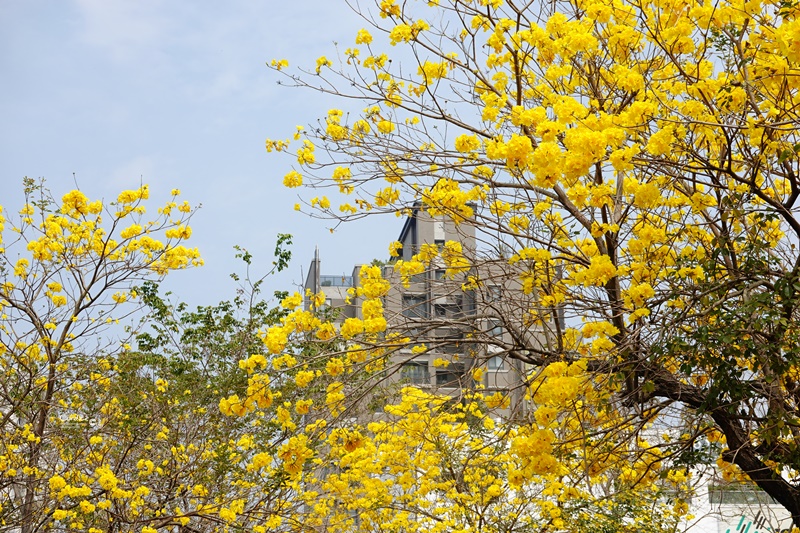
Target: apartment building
[(454, 331)]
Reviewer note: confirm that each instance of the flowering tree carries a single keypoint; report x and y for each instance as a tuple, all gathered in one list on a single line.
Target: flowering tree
[(632, 165), (102, 435), (433, 468), (67, 269)]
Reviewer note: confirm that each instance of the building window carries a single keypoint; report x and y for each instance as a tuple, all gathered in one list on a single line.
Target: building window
[(738, 494), (447, 311), (495, 329), (493, 294), (418, 278), (438, 274), (470, 307), (336, 281), (449, 341), (496, 363), (416, 372), (439, 230), (450, 376), (452, 348), (415, 306)]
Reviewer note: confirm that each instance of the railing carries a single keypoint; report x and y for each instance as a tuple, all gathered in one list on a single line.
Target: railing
[(336, 281)]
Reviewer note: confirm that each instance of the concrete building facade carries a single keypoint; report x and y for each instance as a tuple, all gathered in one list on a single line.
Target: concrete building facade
[(453, 331)]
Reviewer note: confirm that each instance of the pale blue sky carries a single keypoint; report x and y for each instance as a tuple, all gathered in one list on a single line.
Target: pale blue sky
[(175, 93)]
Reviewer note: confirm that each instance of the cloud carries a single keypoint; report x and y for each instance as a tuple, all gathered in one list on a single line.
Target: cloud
[(123, 28)]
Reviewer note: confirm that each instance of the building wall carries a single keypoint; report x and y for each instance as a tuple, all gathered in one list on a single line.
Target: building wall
[(720, 507)]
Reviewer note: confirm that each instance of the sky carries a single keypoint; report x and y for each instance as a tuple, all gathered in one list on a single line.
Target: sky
[(110, 94)]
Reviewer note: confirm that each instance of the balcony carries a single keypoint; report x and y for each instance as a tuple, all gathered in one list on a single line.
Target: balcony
[(336, 281)]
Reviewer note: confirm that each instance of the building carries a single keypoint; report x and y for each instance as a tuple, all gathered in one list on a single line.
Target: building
[(454, 331)]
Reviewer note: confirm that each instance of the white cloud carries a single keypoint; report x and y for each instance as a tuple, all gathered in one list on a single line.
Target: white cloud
[(124, 28)]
